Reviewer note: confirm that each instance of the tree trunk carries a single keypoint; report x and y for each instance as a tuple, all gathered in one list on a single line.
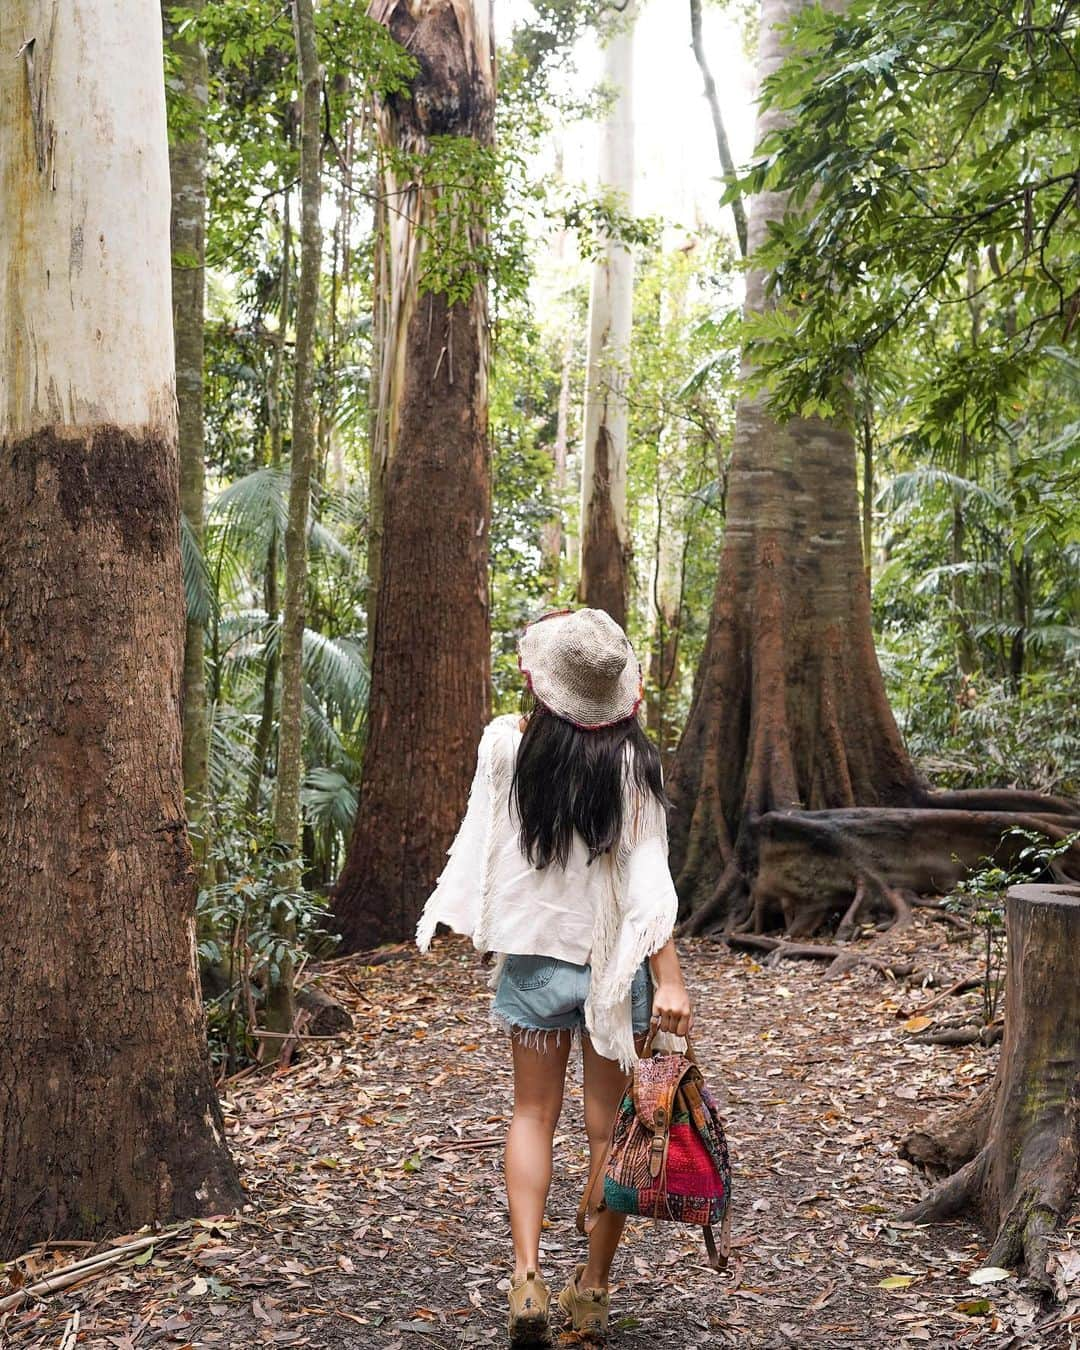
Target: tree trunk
[(605, 534), (790, 726), (290, 756), (667, 580), (868, 496), (108, 1118), (1023, 1165), (551, 535), (271, 649), (738, 210), (431, 663), (187, 169)]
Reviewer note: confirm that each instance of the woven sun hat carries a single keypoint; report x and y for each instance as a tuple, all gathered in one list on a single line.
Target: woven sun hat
[(580, 665)]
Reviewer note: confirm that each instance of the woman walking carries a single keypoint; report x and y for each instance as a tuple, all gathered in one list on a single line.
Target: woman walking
[(560, 868)]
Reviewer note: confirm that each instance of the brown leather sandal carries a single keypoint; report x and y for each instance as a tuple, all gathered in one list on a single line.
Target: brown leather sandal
[(529, 1301), (586, 1308)]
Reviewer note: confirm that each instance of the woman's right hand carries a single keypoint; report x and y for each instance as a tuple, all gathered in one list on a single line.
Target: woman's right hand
[(671, 1008)]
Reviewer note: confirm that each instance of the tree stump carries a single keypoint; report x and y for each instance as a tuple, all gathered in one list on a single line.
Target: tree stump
[(1025, 1174)]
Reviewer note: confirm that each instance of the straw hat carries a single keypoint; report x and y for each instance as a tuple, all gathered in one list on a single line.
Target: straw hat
[(580, 665)]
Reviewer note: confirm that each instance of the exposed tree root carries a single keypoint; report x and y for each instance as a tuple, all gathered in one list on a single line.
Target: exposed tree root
[(965, 1035), (960, 987), (1022, 1136), (951, 1140), (860, 862), (841, 960)]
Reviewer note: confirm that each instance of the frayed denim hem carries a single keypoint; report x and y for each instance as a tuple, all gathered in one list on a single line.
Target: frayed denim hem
[(533, 1038)]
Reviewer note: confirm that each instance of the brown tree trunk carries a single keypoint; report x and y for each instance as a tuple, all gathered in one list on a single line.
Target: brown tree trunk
[(187, 170), (431, 663), (790, 727), (108, 1118), (1023, 1170)]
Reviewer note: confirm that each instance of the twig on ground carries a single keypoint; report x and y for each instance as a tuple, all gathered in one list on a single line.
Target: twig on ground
[(88, 1267), (960, 987)]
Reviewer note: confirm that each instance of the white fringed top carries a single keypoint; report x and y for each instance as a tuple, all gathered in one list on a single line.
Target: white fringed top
[(613, 912)]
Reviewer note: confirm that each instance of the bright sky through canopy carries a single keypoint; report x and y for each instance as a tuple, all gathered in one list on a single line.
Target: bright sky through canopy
[(676, 162)]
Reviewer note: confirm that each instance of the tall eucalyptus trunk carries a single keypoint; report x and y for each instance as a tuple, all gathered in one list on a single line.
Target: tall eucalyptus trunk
[(187, 171), (290, 754), (430, 472), (108, 1117), (605, 531)]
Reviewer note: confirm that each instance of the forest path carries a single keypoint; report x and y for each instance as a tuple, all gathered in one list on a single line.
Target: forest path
[(377, 1216)]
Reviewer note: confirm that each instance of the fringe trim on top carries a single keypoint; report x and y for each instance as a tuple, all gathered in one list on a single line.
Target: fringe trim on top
[(500, 772)]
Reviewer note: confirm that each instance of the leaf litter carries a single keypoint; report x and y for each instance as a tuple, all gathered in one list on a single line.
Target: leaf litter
[(376, 1214)]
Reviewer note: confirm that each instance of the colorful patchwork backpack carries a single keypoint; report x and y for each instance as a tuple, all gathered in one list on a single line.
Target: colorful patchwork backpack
[(668, 1156)]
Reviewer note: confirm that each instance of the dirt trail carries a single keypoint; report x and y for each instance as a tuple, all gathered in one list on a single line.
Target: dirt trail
[(377, 1216)]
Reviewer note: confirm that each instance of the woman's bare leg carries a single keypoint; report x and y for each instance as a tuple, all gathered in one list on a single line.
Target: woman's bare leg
[(539, 1075), (605, 1081)]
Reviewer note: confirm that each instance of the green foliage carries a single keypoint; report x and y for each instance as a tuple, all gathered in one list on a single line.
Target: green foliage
[(242, 947), (980, 898), (922, 143)]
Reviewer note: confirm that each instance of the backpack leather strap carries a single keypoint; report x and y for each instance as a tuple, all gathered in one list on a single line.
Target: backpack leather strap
[(585, 1219)]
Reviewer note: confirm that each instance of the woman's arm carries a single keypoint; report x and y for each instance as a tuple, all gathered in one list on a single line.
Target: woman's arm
[(671, 1002)]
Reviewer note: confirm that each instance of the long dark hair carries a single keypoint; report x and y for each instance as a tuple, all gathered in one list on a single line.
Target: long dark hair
[(566, 779)]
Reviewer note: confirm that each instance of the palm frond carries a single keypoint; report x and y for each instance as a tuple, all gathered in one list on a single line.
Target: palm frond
[(328, 800), (915, 484), (252, 508), (198, 591)]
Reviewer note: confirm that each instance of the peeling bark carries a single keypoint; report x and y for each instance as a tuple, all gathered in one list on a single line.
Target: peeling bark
[(604, 560), (1022, 1138), (431, 651)]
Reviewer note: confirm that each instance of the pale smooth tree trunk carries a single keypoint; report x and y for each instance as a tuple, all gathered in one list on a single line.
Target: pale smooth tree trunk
[(187, 169), (552, 535), (723, 147), (290, 755), (108, 1118), (605, 534), (430, 487)]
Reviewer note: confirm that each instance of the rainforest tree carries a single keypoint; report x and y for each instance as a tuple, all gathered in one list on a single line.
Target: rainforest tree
[(796, 798), (605, 544), (429, 464)]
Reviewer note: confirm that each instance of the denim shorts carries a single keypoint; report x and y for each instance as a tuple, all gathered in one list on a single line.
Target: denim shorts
[(541, 993)]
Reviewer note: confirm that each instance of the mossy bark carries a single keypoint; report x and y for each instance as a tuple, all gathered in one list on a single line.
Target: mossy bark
[(187, 172), (1026, 1171)]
